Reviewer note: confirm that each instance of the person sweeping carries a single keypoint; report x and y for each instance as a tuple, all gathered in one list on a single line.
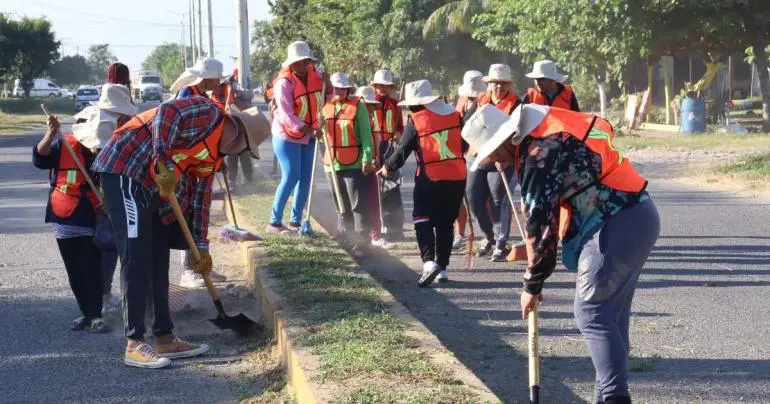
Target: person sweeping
[(350, 157), (549, 88), (578, 188), (189, 137), (433, 134)]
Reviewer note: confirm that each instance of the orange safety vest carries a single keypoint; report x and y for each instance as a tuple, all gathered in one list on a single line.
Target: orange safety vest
[(341, 131), (507, 104), (70, 182), (384, 120), (597, 134), (441, 145), (307, 98), (563, 98), (462, 105), (200, 160)]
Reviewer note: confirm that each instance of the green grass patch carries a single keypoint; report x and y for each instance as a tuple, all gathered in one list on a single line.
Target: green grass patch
[(754, 166), (11, 124), (347, 326), (698, 141), (31, 106)]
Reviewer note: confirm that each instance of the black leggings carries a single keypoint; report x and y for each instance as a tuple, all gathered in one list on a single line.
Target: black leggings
[(83, 262), (436, 205)]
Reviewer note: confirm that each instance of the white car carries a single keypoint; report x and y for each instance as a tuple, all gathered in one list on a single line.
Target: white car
[(40, 88), (85, 96), (66, 93)]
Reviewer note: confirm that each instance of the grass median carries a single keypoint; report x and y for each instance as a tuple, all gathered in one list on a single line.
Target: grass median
[(725, 142), (346, 324)]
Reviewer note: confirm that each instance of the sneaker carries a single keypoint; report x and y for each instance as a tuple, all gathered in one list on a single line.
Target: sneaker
[(180, 349), (442, 277), (99, 326), (430, 271), (294, 227), (459, 242), (484, 251), (80, 324), (500, 254), (277, 229), (382, 243), (143, 356), (191, 280), (110, 305)]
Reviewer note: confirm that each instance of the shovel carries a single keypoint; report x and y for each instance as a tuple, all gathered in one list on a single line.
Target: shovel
[(240, 323), (534, 357)]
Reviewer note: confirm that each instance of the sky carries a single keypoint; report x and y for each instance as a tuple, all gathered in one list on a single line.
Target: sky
[(134, 28)]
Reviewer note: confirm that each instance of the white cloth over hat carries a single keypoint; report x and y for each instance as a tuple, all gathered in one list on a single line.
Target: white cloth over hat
[(296, 51), (546, 69), (383, 77), (367, 95), (340, 80), (116, 98), (473, 84), (97, 128), (499, 72)]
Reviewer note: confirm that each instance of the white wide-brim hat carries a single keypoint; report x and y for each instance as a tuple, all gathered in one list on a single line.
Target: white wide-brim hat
[(116, 98), (418, 92), (499, 72), (546, 69), (257, 127), (473, 84), (366, 94), (93, 127), (341, 80), (207, 69), (383, 77), (296, 51), (490, 127)]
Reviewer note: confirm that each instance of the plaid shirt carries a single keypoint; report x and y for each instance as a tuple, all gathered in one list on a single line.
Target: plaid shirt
[(178, 124)]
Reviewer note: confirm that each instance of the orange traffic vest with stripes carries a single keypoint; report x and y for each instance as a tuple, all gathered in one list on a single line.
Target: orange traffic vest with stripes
[(307, 98), (70, 182), (597, 134), (200, 160), (507, 104), (562, 100), (441, 145), (384, 120), (341, 131)]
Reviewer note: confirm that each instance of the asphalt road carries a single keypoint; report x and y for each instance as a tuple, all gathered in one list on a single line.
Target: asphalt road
[(700, 328)]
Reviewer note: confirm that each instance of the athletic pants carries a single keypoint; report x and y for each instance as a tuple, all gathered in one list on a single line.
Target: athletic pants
[(608, 270), (486, 184), (82, 260), (296, 168), (435, 209)]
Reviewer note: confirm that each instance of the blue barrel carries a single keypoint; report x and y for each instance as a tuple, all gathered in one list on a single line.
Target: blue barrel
[(693, 115)]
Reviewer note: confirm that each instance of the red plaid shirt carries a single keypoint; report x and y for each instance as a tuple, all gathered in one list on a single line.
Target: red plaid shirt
[(178, 124)]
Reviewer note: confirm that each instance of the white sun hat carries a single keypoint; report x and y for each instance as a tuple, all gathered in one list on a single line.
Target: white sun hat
[(418, 92), (546, 69), (296, 51), (499, 72), (490, 127), (207, 69), (366, 94), (473, 84), (93, 127), (383, 77), (341, 80), (116, 98)]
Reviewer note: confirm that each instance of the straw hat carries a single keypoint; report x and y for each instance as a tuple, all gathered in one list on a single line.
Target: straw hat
[(499, 72), (257, 127), (489, 127), (418, 92), (383, 77), (366, 94), (296, 51), (546, 69), (116, 98), (341, 80), (473, 84)]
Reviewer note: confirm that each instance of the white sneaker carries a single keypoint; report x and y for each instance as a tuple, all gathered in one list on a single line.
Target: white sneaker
[(382, 243), (191, 280), (430, 271), (459, 241), (442, 277)]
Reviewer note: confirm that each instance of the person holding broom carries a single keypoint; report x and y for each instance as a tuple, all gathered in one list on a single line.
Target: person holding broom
[(349, 158), (433, 134), (549, 88), (578, 188), (189, 137)]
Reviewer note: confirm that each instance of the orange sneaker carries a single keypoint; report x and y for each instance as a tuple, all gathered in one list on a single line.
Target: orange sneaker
[(143, 356), (180, 349)]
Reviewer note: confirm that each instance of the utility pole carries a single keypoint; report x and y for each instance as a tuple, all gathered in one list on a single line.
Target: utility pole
[(244, 72), (192, 32), (183, 45), (211, 31), (200, 28)]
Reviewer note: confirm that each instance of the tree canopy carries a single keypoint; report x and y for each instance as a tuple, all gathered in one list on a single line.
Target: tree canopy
[(28, 46), (100, 57), (167, 61), (70, 70)]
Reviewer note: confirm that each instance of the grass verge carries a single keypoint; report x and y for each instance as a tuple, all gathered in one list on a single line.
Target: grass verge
[(724, 142), (360, 346), (752, 166), (12, 124)]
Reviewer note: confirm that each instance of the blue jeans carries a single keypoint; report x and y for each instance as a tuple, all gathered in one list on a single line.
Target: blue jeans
[(608, 271), (296, 167)]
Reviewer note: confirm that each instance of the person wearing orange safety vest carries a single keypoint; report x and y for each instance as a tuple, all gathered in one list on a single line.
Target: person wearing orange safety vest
[(549, 88), (206, 76), (579, 188), (433, 134), (348, 135)]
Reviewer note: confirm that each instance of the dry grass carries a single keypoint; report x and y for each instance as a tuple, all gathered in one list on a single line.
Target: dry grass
[(12, 124)]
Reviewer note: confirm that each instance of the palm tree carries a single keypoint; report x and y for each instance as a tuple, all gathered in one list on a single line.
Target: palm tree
[(454, 17)]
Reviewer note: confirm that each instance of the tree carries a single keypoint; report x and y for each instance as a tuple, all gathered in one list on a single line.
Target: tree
[(8, 47), (263, 64), (35, 48), (455, 17), (100, 57), (70, 70), (167, 61)]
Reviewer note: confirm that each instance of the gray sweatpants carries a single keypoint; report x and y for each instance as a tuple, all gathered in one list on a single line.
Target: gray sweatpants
[(608, 271)]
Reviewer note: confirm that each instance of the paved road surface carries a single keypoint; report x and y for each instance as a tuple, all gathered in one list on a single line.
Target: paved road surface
[(701, 331)]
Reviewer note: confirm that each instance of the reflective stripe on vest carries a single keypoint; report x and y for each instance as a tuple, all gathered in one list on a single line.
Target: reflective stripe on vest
[(307, 99), (597, 134), (66, 195), (563, 98), (385, 119), (340, 131), (507, 104), (441, 151)]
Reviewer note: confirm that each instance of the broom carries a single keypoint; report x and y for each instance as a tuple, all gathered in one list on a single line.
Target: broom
[(305, 228)]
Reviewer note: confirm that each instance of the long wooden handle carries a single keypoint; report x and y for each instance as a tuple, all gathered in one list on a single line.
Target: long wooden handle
[(335, 180), (534, 356), (513, 205), (312, 180), (230, 198)]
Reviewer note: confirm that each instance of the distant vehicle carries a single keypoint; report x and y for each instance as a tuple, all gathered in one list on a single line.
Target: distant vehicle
[(85, 95), (67, 93), (40, 88), (147, 86)]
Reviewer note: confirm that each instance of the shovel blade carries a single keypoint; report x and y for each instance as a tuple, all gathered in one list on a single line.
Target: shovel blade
[(240, 324)]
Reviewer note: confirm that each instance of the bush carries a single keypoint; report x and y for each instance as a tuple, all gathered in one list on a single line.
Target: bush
[(587, 92), (31, 105)]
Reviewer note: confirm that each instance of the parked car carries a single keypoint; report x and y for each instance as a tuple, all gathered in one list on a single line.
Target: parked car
[(67, 93), (151, 92), (85, 95), (40, 88)]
